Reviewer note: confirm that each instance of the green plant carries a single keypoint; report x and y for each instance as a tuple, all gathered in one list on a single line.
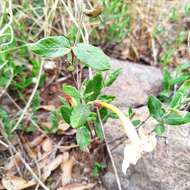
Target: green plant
[(115, 21)]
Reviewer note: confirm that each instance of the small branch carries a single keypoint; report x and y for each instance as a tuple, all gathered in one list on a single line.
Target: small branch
[(109, 152)]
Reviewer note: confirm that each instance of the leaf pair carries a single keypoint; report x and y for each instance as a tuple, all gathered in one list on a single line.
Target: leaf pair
[(59, 46)]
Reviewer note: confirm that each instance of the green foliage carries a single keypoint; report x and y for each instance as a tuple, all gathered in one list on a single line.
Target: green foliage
[(167, 58), (55, 119), (66, 113), (115, 20), (176, 118), (52, 47), (79, 115), (83, 137), (97, 169), (155, 108), (187, 9), (93, 87), (113, 76), (174, 15), (160, 129), (92, 56), (57, 46)]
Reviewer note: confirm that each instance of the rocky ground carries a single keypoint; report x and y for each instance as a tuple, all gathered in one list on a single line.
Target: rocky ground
[(167, 168)]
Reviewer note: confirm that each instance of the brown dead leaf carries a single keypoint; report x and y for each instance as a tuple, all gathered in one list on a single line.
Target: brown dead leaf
[(30, 151), (47, 145), (13, 163), (63, 127), (66, 167), (16, 183), (47, 107), (37, 140), (55, 163), (77, 186), (66, 148)]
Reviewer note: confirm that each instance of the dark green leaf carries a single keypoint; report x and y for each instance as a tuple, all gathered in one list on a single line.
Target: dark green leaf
[(175, 118), (51, 47), (107, 98), (66, 113), (83, 137), (92, 56), (180, 79), (79, 115), (113, 76), (167, 80), (131, 113), (97, 169), (93, 87), (155, 108)]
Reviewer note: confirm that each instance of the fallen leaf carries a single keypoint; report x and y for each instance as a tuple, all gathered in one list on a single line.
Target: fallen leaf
[(37, 140), (16, 183), (66, 148), (77, 186), (47, 107), (13, 163), (47, 145), (66, 167), (63, 127), (55, 163)]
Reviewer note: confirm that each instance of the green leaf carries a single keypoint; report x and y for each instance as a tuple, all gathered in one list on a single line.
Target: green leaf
[(99, 131), (72, 91), (106, 98), (113, 76), (160, 129), (79, 115), (83, 137), (93, 87), (180, 95), (167, 80), (55, 118), (36, 102), (92, 56), (52, 47), (136, 122), (176, 118), (97, 169), (180, 79), (66, 113), (155, 108), (130, 113), (3, 114)]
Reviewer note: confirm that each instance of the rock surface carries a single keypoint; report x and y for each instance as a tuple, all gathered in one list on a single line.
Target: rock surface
[(135, 84), (168, 167)]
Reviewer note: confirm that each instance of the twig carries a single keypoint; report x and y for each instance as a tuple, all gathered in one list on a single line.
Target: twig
[(4, 144), (109, 152)]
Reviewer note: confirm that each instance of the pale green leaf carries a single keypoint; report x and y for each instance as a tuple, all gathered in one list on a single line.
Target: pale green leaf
[(92, 56), (51, 47)]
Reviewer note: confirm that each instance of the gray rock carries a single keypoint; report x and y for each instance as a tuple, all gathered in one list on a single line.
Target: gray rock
[(168, 167), (135, 84)]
